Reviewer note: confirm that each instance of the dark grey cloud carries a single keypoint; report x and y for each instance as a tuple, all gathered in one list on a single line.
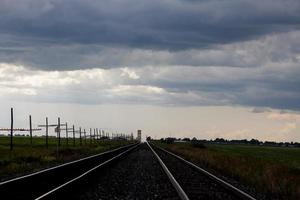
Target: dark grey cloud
[(168, 86), (272, 86), (248, 51), (48, 29)]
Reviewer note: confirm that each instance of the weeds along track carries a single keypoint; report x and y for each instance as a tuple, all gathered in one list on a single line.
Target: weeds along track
[(196, 182), (36, 184)]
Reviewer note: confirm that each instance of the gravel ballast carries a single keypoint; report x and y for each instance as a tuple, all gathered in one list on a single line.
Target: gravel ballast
[(195, 184), (136, 176)]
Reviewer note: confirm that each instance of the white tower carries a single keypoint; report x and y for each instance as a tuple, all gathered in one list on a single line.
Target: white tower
[(139, 135)]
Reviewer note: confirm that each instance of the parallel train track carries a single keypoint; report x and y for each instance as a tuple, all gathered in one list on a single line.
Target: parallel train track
[(197, 182), (36, 184), (133, 172)]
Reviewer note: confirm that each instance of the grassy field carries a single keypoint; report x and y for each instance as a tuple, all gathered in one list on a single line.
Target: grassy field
[(25, 158), (274, 171)]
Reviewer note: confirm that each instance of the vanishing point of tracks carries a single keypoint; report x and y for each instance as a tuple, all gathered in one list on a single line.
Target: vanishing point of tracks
[(138, 171)]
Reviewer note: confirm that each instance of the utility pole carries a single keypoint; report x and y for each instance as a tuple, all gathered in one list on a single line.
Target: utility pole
[(80, 136), (90, 136), (58, 136), (73, 135), (67, 133), (84, 136), (47, 132), (11, 127), (30, 129)]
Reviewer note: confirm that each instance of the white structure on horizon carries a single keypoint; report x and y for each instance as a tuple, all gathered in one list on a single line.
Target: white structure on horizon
[(139, 135)]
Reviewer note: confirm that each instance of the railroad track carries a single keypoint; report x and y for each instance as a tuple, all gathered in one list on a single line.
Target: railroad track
[(36, 184), (140, 171), (195, 182)]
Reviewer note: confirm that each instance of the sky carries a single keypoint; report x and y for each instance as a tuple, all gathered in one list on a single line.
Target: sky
[(182, 68)]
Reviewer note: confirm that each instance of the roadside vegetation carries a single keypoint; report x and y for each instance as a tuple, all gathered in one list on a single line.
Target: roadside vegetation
[(26, 158), (273, 171)]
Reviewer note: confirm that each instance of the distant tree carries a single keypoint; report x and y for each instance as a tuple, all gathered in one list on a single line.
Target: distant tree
[(221, 140), (186, 139), (170, 140), (254, 141), (270, 143)]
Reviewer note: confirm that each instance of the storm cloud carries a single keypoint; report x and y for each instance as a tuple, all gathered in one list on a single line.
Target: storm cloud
[(62, 34), (159, 52)]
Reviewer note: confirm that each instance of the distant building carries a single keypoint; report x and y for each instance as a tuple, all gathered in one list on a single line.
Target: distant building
[(139, 135)]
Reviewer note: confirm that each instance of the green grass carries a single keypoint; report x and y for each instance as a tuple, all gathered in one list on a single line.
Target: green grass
[(26, 158), (274, 171), (283, 155)]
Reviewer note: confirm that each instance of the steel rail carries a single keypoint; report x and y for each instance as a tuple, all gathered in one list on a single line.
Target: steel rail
[(85, 173), (175, 184), (65, 164), (223, 183)]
